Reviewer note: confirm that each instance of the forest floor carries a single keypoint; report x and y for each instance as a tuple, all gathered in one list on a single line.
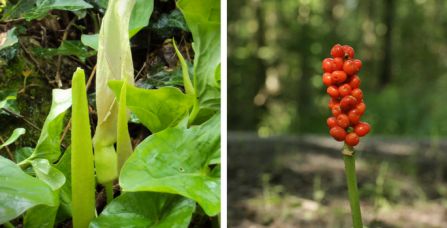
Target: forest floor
[(299, 181)]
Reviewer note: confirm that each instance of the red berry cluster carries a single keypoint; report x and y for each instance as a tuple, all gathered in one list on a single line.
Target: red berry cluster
[(347, 99)]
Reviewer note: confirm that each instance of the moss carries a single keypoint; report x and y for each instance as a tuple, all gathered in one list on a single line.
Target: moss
[(34, 104)]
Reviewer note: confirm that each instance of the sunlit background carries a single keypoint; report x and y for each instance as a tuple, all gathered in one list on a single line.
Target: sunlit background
[(275, 50), (284, 168)]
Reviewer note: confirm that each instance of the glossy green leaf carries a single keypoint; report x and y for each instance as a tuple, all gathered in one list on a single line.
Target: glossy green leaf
[(139, 18), (48, 174), (177, 20), (157, 77), (3, 102), (177, 161), (10, 46), (203, 19), (177, 76), (166, 25), (99, 5), (11, 103), (65, 208), (90, 40), (43, 216), (19, 191), (40, 216), (165, 108), (217, 76), (146, 209), (114, 63), (11, 39), (46, 5), (15, 135), (183, 123), (17, 10), (48, 146), (21, 155), (21, 29), (81, 14), (134, 119), (69, 47)]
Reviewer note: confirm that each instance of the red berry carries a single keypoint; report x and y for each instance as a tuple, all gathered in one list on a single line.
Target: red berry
[(338, 77), (338, 133), (350, 68), (327, 80), (354, 116), (332, 122), (344, 90), (361, 107), (362, 129), (327, 65), (337, 51), (357, 93), (348, 51), (343, 120), (333, 102), (336, 110), (347, 103), (337, 64), (352, 139), (354, 82), (333, 91), (357, 63)]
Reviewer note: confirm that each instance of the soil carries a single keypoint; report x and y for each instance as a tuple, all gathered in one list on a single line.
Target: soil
[(299, 181)]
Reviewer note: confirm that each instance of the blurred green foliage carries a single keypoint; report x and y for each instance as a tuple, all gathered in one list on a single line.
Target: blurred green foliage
[(275, 50)]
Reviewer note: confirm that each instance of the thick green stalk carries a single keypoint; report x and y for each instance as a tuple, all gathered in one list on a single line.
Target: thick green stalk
[(194, 112), (109, 192), (349, 157), (123, 144), (82, 170)]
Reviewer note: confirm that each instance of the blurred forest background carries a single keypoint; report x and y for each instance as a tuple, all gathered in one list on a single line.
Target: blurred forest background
[(278, 106), (275, 50)]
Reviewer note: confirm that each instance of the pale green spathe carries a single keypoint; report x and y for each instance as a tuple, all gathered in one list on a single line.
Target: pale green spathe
[(114, 63)]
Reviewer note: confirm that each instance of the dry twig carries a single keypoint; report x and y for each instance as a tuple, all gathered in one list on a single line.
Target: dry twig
[(7, 149), (59, 59)]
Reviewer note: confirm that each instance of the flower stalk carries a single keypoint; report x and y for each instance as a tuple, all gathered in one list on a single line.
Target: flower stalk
[(82, 170), (351, 177)]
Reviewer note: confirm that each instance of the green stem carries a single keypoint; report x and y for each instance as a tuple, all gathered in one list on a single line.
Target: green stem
[(24, 84), (95, 22), (109, 192), (8, 225), (352, 185), (24, 164), (194, 112)]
